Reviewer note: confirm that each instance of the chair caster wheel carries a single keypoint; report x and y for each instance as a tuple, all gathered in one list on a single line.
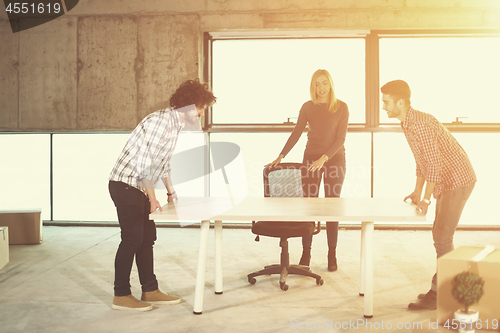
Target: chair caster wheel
[(283, 286), (320, 282), (252, 280)]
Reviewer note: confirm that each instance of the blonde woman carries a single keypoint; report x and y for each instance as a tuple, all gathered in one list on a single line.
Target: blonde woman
[(324, 156)]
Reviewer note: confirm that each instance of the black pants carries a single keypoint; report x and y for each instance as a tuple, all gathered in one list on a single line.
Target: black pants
[(333, 175), (138, 234)]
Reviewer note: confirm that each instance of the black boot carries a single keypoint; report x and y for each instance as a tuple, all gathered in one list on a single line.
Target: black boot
[(332, 260), (425, 302), (306, 256), (332, 231)]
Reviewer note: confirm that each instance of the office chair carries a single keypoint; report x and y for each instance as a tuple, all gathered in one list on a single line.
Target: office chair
[(284, 180)]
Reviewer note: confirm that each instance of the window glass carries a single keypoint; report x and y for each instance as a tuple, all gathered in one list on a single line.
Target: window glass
[(357, 183), (254, 158), (395, 174), (395, 170), (82, 164), (449, 77), (267, 81), (25, 165), (481, 208), (394, 166)]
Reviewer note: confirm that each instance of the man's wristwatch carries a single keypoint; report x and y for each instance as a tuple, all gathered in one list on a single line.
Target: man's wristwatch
[(427, 201)]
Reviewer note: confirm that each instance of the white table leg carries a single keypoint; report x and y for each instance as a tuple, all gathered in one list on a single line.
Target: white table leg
[(218, 257), (202, 265), (368, 263), (362, 261)]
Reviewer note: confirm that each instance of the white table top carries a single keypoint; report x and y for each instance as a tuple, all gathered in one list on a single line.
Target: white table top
[(288, 209)]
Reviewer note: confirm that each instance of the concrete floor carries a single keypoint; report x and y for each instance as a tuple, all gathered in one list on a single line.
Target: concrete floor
[(65, 284)]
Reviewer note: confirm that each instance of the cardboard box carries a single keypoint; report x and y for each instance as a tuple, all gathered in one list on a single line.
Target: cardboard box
[(25, 226), (488, 269), (4, 246)]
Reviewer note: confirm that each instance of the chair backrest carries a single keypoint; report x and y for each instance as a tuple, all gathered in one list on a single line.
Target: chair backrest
[(284, 180)]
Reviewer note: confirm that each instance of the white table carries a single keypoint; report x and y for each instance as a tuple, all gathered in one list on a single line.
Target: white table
[(365, 210)]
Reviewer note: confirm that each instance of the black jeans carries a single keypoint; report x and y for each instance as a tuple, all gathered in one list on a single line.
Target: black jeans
[(138, 234), (333, 175)]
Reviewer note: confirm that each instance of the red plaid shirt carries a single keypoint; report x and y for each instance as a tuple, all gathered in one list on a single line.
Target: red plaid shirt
[(438, 155)]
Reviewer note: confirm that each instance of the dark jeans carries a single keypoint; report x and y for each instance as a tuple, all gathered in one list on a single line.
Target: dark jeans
[(138, 234), (333, 175), (449, 207)]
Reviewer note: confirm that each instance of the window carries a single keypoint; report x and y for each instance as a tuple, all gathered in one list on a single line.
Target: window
[(267, 81), (25, 165), (449, 77), (82, 164), (481, 208), (358, 175), (395, 174)]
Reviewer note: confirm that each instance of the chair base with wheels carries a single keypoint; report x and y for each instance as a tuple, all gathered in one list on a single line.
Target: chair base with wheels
[(284, 230)]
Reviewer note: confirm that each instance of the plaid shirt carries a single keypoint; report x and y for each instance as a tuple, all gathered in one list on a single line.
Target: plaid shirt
[(438, 155), (148, 150)]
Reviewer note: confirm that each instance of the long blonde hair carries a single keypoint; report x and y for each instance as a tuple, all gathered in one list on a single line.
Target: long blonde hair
[(333, 102)]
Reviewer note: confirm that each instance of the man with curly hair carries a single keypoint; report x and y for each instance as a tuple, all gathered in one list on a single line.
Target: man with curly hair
[(144, 160)]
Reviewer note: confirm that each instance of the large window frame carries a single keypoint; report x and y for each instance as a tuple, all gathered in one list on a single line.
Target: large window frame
[(372, 125), (372, 38)]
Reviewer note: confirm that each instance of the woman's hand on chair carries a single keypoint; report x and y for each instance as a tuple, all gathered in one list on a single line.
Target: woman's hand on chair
[(275, 162)]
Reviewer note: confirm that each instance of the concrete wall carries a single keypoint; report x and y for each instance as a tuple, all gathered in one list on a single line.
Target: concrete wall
[(107, 64)]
